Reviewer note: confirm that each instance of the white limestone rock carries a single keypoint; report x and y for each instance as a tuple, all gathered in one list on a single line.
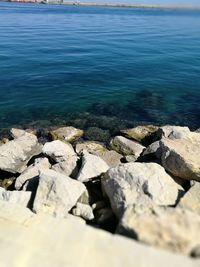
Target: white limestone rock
[(178, 132), (84, 211), (191, 199), (181, 158), (32, 171), (139, 183), (15, 154), (92, 166), (64, 156), (111, 157), (56, 193), (126, 147), (15, 197), (173, 229), (58, 150)]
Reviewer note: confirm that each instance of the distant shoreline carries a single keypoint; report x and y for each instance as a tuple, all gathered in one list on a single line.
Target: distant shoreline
[(123, 5)]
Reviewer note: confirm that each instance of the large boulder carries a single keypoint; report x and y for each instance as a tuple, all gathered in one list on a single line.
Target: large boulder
[(32, 171), (168, 228), (180, 157), (126, 147), (92, 167), (15, 154), (38, 240), (139, 182), (191, 199), (68, 134), (63, 155), (58, 150), (173, 132), (15, 197), (178, 132), (111, 157), (56, 193)]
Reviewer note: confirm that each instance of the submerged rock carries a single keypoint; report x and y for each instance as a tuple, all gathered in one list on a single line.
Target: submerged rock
[(176, 230), (68, 134), (56, 193), (15, 154), (139, 183), (97, 134)]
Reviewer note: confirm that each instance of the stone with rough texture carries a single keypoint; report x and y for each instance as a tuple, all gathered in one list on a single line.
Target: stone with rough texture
[(56, 193), (111, 157), (180, 158), (64, 156), (58, 150), (173, 132), (84, 211), (92, 167), (3, 141), (167, 228), (35, 240), (126, 147), (153, 150), (32, 171), (67, 167), (15, 154), (178, 132), (140, 132), (16, 133), (15, 197), (139, 182), (68, 134), (90, 147), (191, 199)]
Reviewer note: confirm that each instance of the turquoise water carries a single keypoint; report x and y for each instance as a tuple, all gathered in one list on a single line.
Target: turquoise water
[(86, 65)]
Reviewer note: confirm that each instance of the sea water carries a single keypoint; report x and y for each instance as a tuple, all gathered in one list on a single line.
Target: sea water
[(92, 64)]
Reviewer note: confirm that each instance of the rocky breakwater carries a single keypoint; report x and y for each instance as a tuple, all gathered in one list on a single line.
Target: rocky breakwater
[(58, 196)]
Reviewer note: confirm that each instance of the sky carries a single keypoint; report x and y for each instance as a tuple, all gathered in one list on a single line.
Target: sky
[(185, 2)]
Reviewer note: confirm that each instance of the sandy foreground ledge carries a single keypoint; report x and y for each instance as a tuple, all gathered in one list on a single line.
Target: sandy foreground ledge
[(39, 240)]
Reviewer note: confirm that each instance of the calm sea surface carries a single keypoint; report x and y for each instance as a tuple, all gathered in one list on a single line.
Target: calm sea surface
[(96, 65)]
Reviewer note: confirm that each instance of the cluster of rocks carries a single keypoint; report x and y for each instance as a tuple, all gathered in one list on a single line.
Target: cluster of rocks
[(144, 184)]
